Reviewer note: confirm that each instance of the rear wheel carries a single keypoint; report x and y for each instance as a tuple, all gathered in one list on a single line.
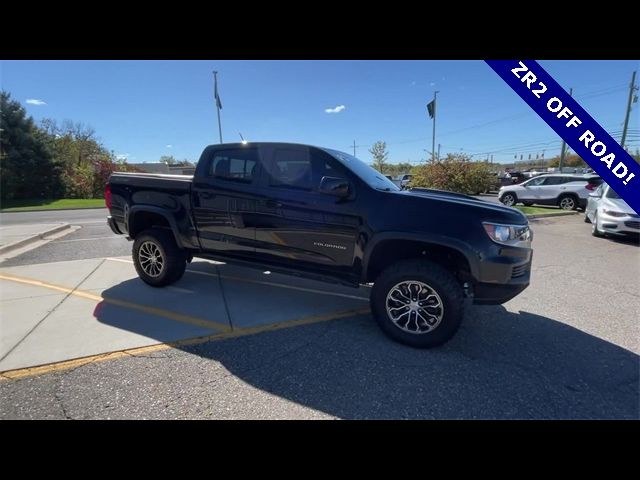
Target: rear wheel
[(509, 199), (567, 202), (157, 258), (417, 303)]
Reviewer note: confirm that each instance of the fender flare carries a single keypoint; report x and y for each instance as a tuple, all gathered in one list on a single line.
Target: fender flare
[(472, 256), (130, 214)]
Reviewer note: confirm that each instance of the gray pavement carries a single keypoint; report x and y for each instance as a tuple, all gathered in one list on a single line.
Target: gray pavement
[(567, 347)]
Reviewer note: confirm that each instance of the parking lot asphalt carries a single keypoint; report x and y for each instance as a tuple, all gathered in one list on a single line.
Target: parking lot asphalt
[(567, 347)]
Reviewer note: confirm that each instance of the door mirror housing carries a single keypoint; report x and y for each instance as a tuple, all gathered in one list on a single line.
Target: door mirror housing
[(337, 187)]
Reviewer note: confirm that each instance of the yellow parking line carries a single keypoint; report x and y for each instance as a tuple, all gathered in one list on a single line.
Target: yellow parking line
[(78, 362), (161, 312)]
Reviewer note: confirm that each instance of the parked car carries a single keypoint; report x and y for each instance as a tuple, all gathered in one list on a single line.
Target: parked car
[(515, 177), (568, 191), (403, 180), (323, 214), (609, 214)]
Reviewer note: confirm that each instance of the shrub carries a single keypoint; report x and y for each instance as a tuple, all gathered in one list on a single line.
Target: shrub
[(455, 173)]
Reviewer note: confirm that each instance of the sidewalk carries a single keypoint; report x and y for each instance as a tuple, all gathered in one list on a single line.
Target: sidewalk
[(81, 308), (17, 236)]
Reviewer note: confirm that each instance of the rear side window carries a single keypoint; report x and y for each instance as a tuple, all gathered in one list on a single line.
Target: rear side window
[(595, 180), (238, 165), (574, 180), (554, 180)]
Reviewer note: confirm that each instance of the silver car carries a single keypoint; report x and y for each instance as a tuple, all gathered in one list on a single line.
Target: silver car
[(568, 191), (610, 215)]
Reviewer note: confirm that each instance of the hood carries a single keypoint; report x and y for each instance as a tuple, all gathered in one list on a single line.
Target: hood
[(618, 205), (492, 211)]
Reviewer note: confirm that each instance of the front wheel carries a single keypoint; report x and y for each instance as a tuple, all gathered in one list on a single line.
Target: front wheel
[(417, 303), (595, 231), (157, 258), (509, 199)]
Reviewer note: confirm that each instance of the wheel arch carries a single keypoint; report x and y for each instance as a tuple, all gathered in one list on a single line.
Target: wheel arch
[(390, 247), (141, 218)]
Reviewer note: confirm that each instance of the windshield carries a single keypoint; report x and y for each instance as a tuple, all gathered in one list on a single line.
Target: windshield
[(368, 174), (611, 193)]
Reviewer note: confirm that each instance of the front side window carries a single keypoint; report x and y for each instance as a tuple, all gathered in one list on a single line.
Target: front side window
[(366, 173), (611, 193), (292, 168), (237, 165), (535, 182)]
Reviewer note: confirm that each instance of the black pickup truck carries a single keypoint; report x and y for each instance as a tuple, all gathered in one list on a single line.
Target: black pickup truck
[(323, 214)]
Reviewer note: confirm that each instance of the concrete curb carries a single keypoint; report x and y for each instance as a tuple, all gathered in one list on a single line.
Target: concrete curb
[(33, 238), (546, 215)]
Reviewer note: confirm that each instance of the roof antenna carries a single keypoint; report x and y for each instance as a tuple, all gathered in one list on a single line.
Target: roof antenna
[(244, 142)]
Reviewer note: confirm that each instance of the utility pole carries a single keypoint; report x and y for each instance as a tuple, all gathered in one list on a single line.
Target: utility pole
[(632, 88), (218, 102), (354, 148), (438, 152), (563, 149)]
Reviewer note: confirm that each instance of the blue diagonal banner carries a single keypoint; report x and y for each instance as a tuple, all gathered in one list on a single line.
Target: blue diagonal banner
[(569, 120)]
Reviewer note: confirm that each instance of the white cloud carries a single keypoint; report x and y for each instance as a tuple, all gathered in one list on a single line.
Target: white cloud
[(432, 84), (169, 146), (337, 109), (35, 101), (122, 156)]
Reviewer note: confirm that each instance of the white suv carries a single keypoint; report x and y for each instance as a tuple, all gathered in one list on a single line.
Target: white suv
[(568, 191)]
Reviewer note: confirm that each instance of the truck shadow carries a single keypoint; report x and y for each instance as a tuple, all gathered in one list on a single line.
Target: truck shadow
[(500, 365)]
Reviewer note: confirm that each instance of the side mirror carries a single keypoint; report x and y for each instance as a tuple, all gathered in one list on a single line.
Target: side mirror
[(337, 187)]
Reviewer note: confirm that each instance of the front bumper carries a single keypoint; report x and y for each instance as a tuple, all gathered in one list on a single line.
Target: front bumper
[(621, 226), (503, 276)]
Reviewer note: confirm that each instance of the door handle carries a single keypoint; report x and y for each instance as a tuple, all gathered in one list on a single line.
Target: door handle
[(274, 204)]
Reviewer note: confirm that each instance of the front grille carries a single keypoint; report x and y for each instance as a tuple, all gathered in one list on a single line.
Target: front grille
[(633, 224), (519, 271)]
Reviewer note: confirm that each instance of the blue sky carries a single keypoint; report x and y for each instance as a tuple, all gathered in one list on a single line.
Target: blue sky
[(145, 109)]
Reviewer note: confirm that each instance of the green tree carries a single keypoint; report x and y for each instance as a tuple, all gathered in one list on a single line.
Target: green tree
[(455, 173), (395, 169), (27, 169), (380, 156), (570, 160)]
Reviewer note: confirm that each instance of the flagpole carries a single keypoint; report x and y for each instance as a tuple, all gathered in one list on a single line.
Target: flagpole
[(215, 79), (435, 111)]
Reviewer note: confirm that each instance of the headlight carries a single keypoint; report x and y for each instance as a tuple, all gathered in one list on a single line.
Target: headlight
[(613, 213), (512, 235)]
